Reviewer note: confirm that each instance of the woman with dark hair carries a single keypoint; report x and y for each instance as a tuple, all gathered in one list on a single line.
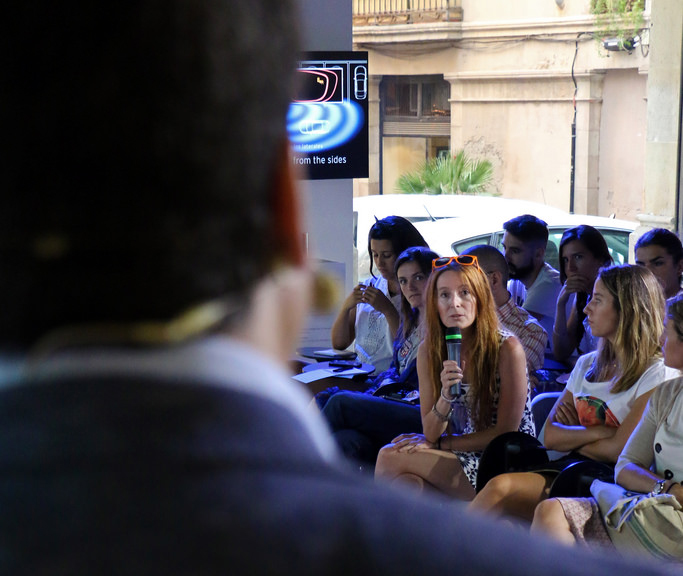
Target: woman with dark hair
[(363, 423), (583, 251), (492, 376), (369, 314), (661, 252)]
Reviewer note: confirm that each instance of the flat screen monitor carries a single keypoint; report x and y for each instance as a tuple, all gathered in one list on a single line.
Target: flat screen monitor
[(328, 119)]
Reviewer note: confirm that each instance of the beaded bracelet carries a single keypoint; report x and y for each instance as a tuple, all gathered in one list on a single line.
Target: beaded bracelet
[(442, 417)]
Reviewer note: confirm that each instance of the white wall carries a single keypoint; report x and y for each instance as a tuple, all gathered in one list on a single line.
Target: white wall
[(328, 204)]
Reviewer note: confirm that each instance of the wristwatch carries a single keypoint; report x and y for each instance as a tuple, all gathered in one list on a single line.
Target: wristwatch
[(659, 487)]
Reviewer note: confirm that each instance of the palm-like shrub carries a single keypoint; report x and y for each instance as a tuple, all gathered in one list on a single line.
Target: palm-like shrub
[(448, 175)]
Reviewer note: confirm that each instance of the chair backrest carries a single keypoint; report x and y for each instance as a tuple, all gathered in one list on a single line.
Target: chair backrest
[(541, 404)]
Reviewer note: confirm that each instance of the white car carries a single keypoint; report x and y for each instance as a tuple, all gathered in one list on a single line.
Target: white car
[(452, 223)]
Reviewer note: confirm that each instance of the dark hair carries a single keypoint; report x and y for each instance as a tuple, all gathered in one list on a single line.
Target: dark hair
[(139, 181), (528, 228), (399, 231), (490, 259), (591, 239), (594, 242), (664, 238), (423, 257), (674, 311)]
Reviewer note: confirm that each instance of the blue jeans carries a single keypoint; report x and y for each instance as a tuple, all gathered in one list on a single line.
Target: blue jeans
[(362, 424)]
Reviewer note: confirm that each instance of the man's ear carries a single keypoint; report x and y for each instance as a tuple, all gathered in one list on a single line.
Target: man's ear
[(539, 253), (287, 235), (495, 278)]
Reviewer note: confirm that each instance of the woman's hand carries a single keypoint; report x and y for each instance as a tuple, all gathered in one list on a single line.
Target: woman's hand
[(578, 283), (566, 414), (376, 299), (412, 443), (450, 375), (354, 298)]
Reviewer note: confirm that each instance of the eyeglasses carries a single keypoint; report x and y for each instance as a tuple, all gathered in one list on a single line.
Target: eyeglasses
[(464, 260)]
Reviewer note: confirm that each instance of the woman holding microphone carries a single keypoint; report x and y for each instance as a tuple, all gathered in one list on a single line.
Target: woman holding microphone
[(491, 375)]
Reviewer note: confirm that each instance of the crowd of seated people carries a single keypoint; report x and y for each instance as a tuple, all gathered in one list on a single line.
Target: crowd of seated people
[(605, 322), (151, 426)]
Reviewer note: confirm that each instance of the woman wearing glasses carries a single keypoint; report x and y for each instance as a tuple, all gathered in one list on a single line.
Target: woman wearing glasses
[(492, 378)]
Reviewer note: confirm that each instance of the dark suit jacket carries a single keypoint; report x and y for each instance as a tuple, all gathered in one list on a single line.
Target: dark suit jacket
[(133, 476)]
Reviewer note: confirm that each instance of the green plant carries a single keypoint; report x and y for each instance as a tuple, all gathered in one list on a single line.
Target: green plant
[(457, 174), (620, 19)]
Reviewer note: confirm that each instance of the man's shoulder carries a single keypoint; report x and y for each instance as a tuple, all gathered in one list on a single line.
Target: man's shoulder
[(546, 286), (549, 274), (514, 314)]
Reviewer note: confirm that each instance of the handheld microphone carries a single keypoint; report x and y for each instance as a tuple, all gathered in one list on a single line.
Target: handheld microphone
[(453, 344)]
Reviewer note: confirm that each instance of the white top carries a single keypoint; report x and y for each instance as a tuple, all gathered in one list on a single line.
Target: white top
[(658, 438), (374, 340), (594, 402), (541, 297)]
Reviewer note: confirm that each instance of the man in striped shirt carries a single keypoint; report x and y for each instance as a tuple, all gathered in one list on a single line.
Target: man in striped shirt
[(513, 318)]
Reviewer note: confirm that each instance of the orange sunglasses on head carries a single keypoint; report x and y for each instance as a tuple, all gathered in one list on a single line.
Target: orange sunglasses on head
[(464, 260)]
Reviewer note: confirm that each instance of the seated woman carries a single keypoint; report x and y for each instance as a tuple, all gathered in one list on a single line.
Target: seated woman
[(606, 392), (660, 251), (583, 251), (652, 459), (492, 372), (362, 423), (369, 314)]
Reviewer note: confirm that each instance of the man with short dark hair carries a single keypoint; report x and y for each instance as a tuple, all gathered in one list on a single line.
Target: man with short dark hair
[(153, 287), (534, 284)]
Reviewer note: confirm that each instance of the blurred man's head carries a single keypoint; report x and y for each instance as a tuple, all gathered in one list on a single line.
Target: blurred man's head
[(493, 263), (145, 170), (524, 244)]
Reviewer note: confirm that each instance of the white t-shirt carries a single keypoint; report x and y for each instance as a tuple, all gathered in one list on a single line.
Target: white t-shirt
[(594, 402), (374, 340)]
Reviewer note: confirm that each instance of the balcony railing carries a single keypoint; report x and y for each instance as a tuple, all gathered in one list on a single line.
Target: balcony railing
[(369, 12)]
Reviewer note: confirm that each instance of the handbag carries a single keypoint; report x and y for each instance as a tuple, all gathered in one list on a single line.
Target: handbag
[(641, 522)]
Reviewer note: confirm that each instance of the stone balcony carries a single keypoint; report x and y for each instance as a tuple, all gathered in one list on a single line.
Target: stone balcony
[(391, 12)]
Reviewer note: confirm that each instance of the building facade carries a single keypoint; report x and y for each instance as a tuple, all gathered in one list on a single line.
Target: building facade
[(530, 86)]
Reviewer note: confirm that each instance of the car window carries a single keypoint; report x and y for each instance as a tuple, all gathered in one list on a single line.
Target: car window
[(617, 244), (462, 245), (552, 251)]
